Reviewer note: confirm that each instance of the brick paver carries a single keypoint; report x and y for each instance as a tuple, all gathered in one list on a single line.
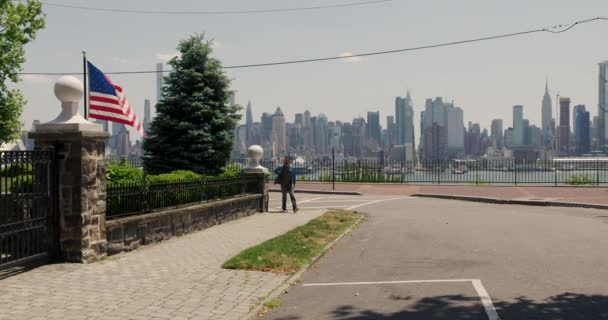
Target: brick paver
[(177, 279)]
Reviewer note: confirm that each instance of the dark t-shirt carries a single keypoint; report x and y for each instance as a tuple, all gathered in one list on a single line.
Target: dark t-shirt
[(285, 178)]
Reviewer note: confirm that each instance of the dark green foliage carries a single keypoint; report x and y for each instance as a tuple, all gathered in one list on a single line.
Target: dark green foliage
[(16, 170), (195, 122), (22, 184)]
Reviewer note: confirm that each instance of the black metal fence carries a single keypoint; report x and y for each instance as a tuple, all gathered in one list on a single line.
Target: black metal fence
[(137, 198), (580, 172), (27, 205)]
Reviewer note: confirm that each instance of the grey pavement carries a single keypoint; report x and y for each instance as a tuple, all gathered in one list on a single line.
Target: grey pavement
[(441, 259), (176, 279)]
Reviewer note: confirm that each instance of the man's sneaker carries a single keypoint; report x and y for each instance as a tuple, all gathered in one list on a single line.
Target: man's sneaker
[(284, 211), (296, 210)]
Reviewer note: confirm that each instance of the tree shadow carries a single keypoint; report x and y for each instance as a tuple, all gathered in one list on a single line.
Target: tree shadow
[(565, 306)]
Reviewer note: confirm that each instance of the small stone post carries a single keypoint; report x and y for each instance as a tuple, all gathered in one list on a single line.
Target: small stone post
[(80, 149), (255, 153)]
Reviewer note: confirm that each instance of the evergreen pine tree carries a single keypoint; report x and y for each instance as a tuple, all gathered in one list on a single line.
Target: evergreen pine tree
[(195, 120)]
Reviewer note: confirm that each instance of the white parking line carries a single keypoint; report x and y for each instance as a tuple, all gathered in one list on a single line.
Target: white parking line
[(380, 282), (341, 200), (371, 202), (486, 301)]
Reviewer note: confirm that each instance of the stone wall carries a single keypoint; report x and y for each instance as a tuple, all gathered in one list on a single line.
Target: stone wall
[(125, 234)]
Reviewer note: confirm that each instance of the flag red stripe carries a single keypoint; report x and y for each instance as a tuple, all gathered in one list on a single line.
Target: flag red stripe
[(104, 99), (103, 117), (107, 109)]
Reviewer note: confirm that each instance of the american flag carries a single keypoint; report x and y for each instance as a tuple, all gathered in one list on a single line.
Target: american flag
[(107, 101)]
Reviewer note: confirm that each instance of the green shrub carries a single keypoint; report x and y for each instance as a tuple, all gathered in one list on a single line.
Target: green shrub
[(578, 180), (121, 172), (22, 184), (232, 170), (176, 175), (15, 170)]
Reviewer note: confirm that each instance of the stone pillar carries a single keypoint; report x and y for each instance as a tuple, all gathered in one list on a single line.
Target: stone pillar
[(255, 153), (80, 149)]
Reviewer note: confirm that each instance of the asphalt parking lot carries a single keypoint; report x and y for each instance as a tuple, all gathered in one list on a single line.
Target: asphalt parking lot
[(440, 259)]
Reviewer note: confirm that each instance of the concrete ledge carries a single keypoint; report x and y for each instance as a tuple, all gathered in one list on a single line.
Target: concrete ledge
[(344, 193), (540, 203), (128, 233)]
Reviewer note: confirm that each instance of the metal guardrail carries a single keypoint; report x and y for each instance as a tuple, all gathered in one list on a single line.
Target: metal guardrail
[(476, 172), (137, 198)]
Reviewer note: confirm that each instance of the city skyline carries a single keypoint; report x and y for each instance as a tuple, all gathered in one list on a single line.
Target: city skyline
[(486, 78)]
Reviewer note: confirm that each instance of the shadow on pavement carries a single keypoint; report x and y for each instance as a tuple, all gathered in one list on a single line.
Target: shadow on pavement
[(565, 306)]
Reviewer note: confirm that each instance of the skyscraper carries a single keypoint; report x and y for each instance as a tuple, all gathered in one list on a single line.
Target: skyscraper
[(518, 125), (546, 129), (266, 130), (575, 111), (435, 143), (147, 115), (448, 117), (391, 131), (358, 136), (348, 140), (320, 134), (602, 110), (564, 126), (582, 132), (159, 81), (404, 120), (248, 122), (373, 128), (497, 134), (279, 133), (455, 129), (307, 131)]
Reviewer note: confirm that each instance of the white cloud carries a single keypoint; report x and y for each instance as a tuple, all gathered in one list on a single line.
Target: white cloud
[(164, 57), (352, 59), (37, 79), (120, 60)]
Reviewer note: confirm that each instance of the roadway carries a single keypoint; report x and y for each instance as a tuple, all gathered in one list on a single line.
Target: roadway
[(418, 258)]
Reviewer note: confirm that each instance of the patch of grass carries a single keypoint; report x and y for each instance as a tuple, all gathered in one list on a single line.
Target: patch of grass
[(273, 304), (289, 252), (578, 180)]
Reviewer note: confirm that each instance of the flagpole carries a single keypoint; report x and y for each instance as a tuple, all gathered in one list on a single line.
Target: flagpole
[(86, 87)]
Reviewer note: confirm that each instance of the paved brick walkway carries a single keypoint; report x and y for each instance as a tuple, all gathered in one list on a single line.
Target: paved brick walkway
[(566, 194), (177, 279)]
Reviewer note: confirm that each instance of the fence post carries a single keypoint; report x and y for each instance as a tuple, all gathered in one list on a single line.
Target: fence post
[(515, 171), (80, 149), (597, 173), (333, 167), (555, 174)]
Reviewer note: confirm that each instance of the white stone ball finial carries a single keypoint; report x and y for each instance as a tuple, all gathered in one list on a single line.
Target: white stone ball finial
[(255, 153), (69, 89)]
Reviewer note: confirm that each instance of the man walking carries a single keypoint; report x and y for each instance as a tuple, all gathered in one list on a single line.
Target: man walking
[(287, 179)]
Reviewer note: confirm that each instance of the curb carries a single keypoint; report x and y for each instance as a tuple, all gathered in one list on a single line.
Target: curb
[(345, 193), (539, 203), (253, 313)]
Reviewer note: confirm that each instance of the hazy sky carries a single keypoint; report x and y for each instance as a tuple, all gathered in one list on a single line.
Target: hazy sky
[(485, 79)]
